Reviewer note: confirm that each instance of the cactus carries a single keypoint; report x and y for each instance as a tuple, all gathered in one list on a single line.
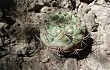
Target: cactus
[(62, 30)]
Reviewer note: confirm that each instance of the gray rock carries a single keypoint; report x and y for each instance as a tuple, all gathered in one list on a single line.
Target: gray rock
[(10, 62), (2, 25), (70, 64), (90, 20), (33, 64)]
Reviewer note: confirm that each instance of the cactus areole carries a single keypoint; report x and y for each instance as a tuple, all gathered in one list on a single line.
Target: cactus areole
[(62, 31)]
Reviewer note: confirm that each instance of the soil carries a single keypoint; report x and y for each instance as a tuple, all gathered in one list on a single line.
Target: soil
[(21, 49)]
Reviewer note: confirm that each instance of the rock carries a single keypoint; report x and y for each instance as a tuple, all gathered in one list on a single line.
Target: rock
[(10, 62), (2, 25), (82, 10), (70, 64), (94, 12), (46, 1), (33, 64), (90, 20), (44, 9), (100, 1), (19, 48)]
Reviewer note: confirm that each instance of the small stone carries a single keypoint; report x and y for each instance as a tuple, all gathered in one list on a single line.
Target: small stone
[(19, 48), (45, 56), (1, 24), (44, 9)]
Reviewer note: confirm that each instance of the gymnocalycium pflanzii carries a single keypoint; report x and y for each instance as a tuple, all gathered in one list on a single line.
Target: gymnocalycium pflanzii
[(62, 31)]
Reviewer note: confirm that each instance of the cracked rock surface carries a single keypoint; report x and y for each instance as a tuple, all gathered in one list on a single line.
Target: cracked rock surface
[(21, 49)]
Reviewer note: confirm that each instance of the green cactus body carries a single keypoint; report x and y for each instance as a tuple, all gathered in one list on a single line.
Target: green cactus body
[(62, 30)]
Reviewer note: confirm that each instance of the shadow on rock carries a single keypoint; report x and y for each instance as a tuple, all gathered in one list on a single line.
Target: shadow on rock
[(87, 1), (84, 52), (107, 1)]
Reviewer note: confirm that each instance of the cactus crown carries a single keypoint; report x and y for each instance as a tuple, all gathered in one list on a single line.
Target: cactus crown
[(62, 30)]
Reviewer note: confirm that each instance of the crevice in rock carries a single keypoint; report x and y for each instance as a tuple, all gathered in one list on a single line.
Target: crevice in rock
[(86, 50), (21, 63), (8, 20), (107, 1), (73, 2), (87, 1), (36, 8)]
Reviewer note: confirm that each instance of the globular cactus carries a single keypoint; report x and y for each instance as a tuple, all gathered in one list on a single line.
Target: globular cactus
[(62, 30)]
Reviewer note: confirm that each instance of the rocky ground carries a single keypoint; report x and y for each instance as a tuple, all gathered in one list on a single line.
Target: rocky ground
[(20, 49)]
